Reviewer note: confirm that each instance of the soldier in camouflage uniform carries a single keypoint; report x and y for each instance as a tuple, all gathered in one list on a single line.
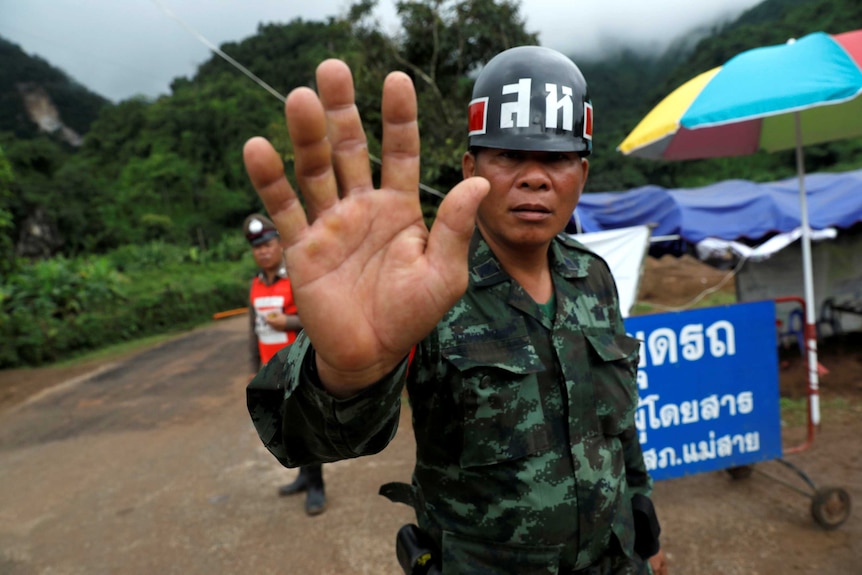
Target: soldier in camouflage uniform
[(507, 334)]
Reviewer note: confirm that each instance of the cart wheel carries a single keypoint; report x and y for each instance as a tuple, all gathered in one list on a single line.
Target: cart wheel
[(830, 507), (740, 472)]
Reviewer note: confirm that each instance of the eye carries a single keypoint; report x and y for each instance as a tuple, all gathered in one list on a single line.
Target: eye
[(513, 155), (561, 157)]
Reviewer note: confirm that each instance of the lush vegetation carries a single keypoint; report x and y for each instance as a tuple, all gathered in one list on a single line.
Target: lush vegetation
[(137, 226), (59, 307)]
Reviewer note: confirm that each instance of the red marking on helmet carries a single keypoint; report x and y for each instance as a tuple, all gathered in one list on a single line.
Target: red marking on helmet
[(588, 121), (478, 116)]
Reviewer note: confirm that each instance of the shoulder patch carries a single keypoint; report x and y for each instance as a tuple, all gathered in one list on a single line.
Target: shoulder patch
[(577, 258), (571, 242)]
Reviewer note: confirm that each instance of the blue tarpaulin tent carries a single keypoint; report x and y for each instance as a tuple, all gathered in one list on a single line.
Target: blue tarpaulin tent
[(744, 212), (730, 210)]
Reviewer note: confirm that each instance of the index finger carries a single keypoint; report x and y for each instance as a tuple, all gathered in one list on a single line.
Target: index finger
[(266, 172), (400, 146)]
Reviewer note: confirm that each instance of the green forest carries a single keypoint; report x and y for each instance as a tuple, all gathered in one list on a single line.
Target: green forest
[(134, 229)]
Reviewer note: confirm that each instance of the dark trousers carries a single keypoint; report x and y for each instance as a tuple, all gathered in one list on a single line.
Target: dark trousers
[(313, 473)]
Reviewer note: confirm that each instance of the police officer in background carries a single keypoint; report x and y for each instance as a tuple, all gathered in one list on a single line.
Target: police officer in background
[(507, 334), (275, 325)]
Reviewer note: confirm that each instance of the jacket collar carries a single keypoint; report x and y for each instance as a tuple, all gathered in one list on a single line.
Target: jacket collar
[(569, 258)]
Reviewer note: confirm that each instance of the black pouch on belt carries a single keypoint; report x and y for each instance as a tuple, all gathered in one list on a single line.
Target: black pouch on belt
[(416, 551), (647, 528)]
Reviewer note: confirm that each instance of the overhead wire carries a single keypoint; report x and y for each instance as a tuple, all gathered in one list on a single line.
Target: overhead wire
[(200, 38), (260, 82)]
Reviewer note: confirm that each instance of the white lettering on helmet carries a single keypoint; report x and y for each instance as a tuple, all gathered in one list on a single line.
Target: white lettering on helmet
[(552, 106), (517, 113)]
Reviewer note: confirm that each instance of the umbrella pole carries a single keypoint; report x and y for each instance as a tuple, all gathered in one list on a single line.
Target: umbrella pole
[(808, 278)]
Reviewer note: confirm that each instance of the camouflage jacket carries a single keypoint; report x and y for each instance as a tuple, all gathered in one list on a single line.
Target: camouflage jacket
[(526, 454)]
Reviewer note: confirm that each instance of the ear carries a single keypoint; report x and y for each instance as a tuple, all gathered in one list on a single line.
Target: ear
[(585, 164), (468, 165)]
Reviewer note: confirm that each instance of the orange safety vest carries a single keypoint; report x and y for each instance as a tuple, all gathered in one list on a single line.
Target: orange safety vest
[(265, 299)]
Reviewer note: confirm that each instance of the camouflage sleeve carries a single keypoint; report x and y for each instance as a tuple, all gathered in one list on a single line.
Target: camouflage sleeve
[(637, 476), (301, 424)]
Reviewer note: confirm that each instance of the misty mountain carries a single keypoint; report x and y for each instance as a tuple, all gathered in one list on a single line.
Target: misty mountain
[(36, 97), (626, 86), (171, 169)]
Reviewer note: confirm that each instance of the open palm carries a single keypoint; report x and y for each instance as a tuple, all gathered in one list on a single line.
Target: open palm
[(369, 279)]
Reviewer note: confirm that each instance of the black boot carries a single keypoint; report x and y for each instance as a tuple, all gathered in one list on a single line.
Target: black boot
[(298, 485), (315, 500)]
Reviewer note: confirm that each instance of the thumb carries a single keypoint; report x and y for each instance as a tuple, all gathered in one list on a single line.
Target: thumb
[(450, 234)]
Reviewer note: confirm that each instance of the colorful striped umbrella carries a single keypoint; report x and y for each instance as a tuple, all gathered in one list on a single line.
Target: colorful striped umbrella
[(806, 91), (751, 102)]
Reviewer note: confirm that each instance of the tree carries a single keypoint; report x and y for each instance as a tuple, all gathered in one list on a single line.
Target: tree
[(6, 228), (441, 43)]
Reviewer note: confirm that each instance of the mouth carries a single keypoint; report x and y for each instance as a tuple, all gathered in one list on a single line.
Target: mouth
[(531, 212)]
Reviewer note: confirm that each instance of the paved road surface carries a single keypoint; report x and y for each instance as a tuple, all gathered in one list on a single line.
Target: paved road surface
[(153, 467)]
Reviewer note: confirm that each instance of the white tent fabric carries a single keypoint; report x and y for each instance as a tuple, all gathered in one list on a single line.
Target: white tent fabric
[(624, 249), (716, 247)]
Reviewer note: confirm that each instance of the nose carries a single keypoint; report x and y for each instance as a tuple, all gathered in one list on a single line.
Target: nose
[(533, 176)]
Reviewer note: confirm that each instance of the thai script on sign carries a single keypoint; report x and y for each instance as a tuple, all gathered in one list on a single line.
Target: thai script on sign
[(708, 388), (665, 346), (651, 416), (704, 450)]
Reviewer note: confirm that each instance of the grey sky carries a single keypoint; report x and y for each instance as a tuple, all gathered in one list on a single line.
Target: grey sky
[(120, 48)]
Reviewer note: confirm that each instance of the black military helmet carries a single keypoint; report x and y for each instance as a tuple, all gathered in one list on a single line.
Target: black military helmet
[(531, 98), (259, 229)]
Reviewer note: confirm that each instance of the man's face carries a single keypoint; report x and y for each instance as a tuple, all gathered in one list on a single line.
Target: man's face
[(532, 197), (268, 255)]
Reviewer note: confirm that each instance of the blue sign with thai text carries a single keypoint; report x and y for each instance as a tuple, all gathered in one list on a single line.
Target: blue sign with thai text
[(708, 386)]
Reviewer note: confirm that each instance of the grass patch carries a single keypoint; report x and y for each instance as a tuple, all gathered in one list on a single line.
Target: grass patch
[(794, 412), (117, 350), (714, 299)]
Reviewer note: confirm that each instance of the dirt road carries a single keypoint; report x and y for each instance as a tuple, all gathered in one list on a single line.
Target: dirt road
[(151, 466)]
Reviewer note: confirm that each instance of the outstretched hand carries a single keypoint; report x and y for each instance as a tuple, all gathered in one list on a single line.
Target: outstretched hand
[(369, 279)]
